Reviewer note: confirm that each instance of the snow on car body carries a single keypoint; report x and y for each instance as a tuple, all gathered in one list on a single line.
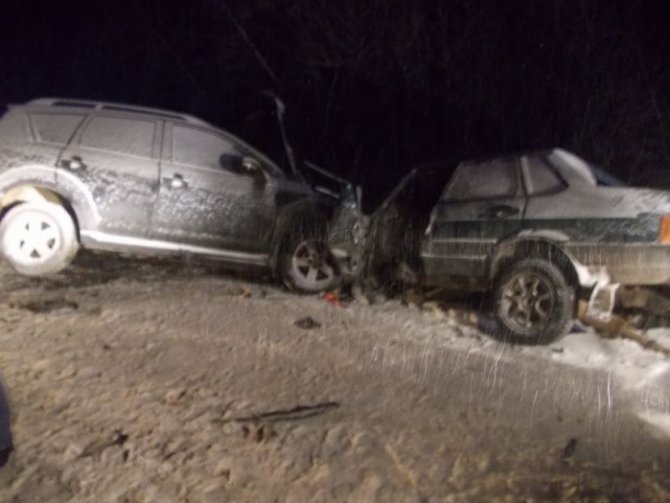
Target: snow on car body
[(134, 179)]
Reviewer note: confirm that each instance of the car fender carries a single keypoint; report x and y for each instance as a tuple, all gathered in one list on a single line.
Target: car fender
[(547, 234), (306, 207), (35, 182), (543, 242)]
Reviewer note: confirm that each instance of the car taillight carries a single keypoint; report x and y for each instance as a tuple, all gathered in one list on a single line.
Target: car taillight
[(664, 232)]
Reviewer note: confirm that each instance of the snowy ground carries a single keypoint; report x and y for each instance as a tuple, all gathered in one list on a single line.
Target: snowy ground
[(137, 382), (642, 374)]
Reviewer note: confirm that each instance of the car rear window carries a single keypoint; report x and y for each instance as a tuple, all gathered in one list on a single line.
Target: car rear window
[(126, 136), (55, 128), (571, 167), (541, 178), (494, 179)]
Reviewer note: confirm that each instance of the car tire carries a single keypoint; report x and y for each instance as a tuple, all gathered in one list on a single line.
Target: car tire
[(38, 238), (305, 263), (533, 302)]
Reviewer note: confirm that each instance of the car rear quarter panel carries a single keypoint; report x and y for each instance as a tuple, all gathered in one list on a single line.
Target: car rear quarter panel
[(615, 229), (24, 161), (70, 189)]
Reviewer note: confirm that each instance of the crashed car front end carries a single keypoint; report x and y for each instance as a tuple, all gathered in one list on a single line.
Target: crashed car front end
[(347, 234), (381, 249)]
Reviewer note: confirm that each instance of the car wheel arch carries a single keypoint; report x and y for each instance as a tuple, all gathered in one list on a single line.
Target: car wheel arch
[(297, 211), (512, 250), (72, 192), (30, 192)]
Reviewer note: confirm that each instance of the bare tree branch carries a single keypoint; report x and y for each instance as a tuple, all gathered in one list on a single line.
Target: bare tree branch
[(243, 33)]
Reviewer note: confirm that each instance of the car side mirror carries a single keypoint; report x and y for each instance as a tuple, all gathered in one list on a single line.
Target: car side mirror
[(251, 165), (246, 166), (253, 168)]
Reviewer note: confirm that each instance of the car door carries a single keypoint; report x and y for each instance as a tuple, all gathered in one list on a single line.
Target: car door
[(115, 160), (482, 204), (207, 198)]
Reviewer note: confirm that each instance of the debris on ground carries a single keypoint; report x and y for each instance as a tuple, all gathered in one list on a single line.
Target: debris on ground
[(333, 298), (646, 307), (618, 326), (648, 299), (292, 414), (45, 305), (240, 291), (569, 451), (307, 323)]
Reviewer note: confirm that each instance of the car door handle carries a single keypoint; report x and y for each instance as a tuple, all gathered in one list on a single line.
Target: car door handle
[(500, 211), (176, 182), (74, 164)]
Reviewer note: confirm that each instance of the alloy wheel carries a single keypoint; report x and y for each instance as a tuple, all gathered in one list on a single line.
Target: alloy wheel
[(312, 263), (527, 301)]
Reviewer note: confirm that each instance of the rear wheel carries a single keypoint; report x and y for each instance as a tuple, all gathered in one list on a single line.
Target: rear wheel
[(533, 302), (38, 238)]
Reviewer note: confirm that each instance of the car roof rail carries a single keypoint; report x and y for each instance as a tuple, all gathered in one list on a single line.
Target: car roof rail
[(116, 107)]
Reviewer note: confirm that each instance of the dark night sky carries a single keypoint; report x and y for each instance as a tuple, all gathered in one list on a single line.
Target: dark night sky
[(372, 86)]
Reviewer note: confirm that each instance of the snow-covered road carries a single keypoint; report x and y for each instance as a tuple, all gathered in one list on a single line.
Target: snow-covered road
[(134, 381)]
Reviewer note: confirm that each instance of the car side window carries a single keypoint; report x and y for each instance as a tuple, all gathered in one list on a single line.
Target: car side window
[(14, 126), (55, 128), (541, 178), (195, 147), (495, 179), (126, 136)]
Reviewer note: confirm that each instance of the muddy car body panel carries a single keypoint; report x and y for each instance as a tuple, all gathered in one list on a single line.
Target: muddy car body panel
[(149, 180)]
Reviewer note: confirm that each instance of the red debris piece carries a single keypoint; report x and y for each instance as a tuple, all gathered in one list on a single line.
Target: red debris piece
[(333, 298)]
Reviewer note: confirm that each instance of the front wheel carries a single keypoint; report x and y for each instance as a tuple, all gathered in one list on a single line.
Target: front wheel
[(305, 262), (38, 238), (533, 302)]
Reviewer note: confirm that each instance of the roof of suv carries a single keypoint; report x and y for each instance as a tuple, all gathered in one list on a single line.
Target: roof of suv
[(67, 103)]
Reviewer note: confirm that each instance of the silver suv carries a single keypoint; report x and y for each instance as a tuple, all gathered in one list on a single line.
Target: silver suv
[(115, 177)]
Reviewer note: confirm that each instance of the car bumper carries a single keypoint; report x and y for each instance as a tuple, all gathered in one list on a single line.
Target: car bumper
[(627, 264)]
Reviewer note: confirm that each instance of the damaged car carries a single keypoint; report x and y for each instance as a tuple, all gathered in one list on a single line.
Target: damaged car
[(107, 176), (536, 232)]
